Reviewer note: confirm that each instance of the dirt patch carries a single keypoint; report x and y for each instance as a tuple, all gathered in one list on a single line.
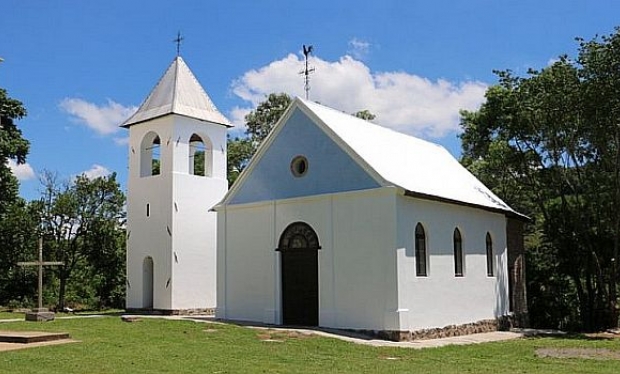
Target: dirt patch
[(609, 334), (280, 335), (582, 353), (15, 346)]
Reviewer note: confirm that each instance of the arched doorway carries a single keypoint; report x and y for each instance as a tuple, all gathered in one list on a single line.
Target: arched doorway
[(299, 246), (147, 283)]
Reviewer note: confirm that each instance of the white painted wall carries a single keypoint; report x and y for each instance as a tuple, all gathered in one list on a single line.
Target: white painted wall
[(441, 299), (148, 236), (357, 267), (366, 267), (246, 257), (180, 233)]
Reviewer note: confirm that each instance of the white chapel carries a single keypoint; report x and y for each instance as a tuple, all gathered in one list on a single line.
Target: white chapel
[(336, 222), (341, 223)]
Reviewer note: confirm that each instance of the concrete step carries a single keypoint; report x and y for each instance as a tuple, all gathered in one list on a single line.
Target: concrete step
[(27, 337)]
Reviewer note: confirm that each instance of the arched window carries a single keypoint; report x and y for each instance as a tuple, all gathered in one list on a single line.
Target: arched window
[(200, 156), (489, 243), (458, 253), (150, 156), (420, 251)]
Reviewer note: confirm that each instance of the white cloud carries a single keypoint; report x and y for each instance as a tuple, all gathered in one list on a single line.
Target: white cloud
[(104, 119), (237, 115), (358, 48), (405, 102), (121, 140), (96, 171), (22, 172)]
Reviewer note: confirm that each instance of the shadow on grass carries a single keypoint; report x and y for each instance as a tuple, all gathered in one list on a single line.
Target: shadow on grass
[(556, 334), (325, 331)]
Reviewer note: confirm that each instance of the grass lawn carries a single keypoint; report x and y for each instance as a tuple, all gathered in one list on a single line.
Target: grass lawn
[(109, 345), (11, 315)]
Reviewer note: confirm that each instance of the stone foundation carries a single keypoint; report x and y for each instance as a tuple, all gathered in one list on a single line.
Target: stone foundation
[(172, 312), (503, 323)]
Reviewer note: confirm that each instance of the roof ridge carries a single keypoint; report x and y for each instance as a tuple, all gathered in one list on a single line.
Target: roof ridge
[(370, 123), (175, 87)]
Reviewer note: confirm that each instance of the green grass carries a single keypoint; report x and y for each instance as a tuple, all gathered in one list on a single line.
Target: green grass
[(109, 345), (11, 315)]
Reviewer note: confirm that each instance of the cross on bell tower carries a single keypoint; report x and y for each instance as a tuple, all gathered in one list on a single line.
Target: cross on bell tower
[(178, 41)]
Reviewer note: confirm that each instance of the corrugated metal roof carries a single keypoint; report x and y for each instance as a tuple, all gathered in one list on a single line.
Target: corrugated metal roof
[(420, 167), (179, 92)]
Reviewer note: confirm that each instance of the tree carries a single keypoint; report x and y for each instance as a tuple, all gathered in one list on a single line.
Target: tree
[(83, 222), (17, 223), (365, 114), (12, 146), (261, 120), (19, 228), (240, 151), (549, 144)]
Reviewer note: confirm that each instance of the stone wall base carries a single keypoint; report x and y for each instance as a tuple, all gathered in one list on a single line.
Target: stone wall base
[(172, 312), (502, 323)]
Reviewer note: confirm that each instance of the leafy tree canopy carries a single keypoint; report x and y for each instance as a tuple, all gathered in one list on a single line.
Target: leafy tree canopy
[(549, 144), (83, 224), (12, 146), (365, 114)]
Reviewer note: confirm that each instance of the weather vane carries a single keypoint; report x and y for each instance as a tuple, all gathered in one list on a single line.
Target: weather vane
[(178, 40), (306, 72)]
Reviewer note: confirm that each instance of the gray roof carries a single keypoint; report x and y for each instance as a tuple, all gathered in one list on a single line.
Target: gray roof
[(178, 92)]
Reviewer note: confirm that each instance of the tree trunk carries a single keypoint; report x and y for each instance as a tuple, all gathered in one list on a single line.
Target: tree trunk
[(590, 296), (613, 278)]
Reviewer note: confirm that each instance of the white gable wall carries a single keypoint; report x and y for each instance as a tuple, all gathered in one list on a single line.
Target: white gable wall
[(441, 298), (357, 265), (330, 169)]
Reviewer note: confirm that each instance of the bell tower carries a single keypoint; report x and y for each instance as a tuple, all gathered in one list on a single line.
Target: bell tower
[(177, 173)]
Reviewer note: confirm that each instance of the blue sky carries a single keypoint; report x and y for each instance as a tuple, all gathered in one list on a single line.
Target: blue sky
[(81, 67)]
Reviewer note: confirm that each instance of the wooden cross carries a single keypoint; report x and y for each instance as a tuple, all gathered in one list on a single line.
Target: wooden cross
[(40, 264)]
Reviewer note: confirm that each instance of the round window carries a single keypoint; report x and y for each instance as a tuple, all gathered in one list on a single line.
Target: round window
[(299, 166)]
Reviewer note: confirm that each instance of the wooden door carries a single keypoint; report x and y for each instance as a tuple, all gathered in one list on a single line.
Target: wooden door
[(299, 246)]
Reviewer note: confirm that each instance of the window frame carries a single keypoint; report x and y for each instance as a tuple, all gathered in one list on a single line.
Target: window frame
[(420, 251), (457, 241), (489, 255)]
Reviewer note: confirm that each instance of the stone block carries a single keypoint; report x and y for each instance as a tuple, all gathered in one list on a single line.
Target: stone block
[(40, 315)]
